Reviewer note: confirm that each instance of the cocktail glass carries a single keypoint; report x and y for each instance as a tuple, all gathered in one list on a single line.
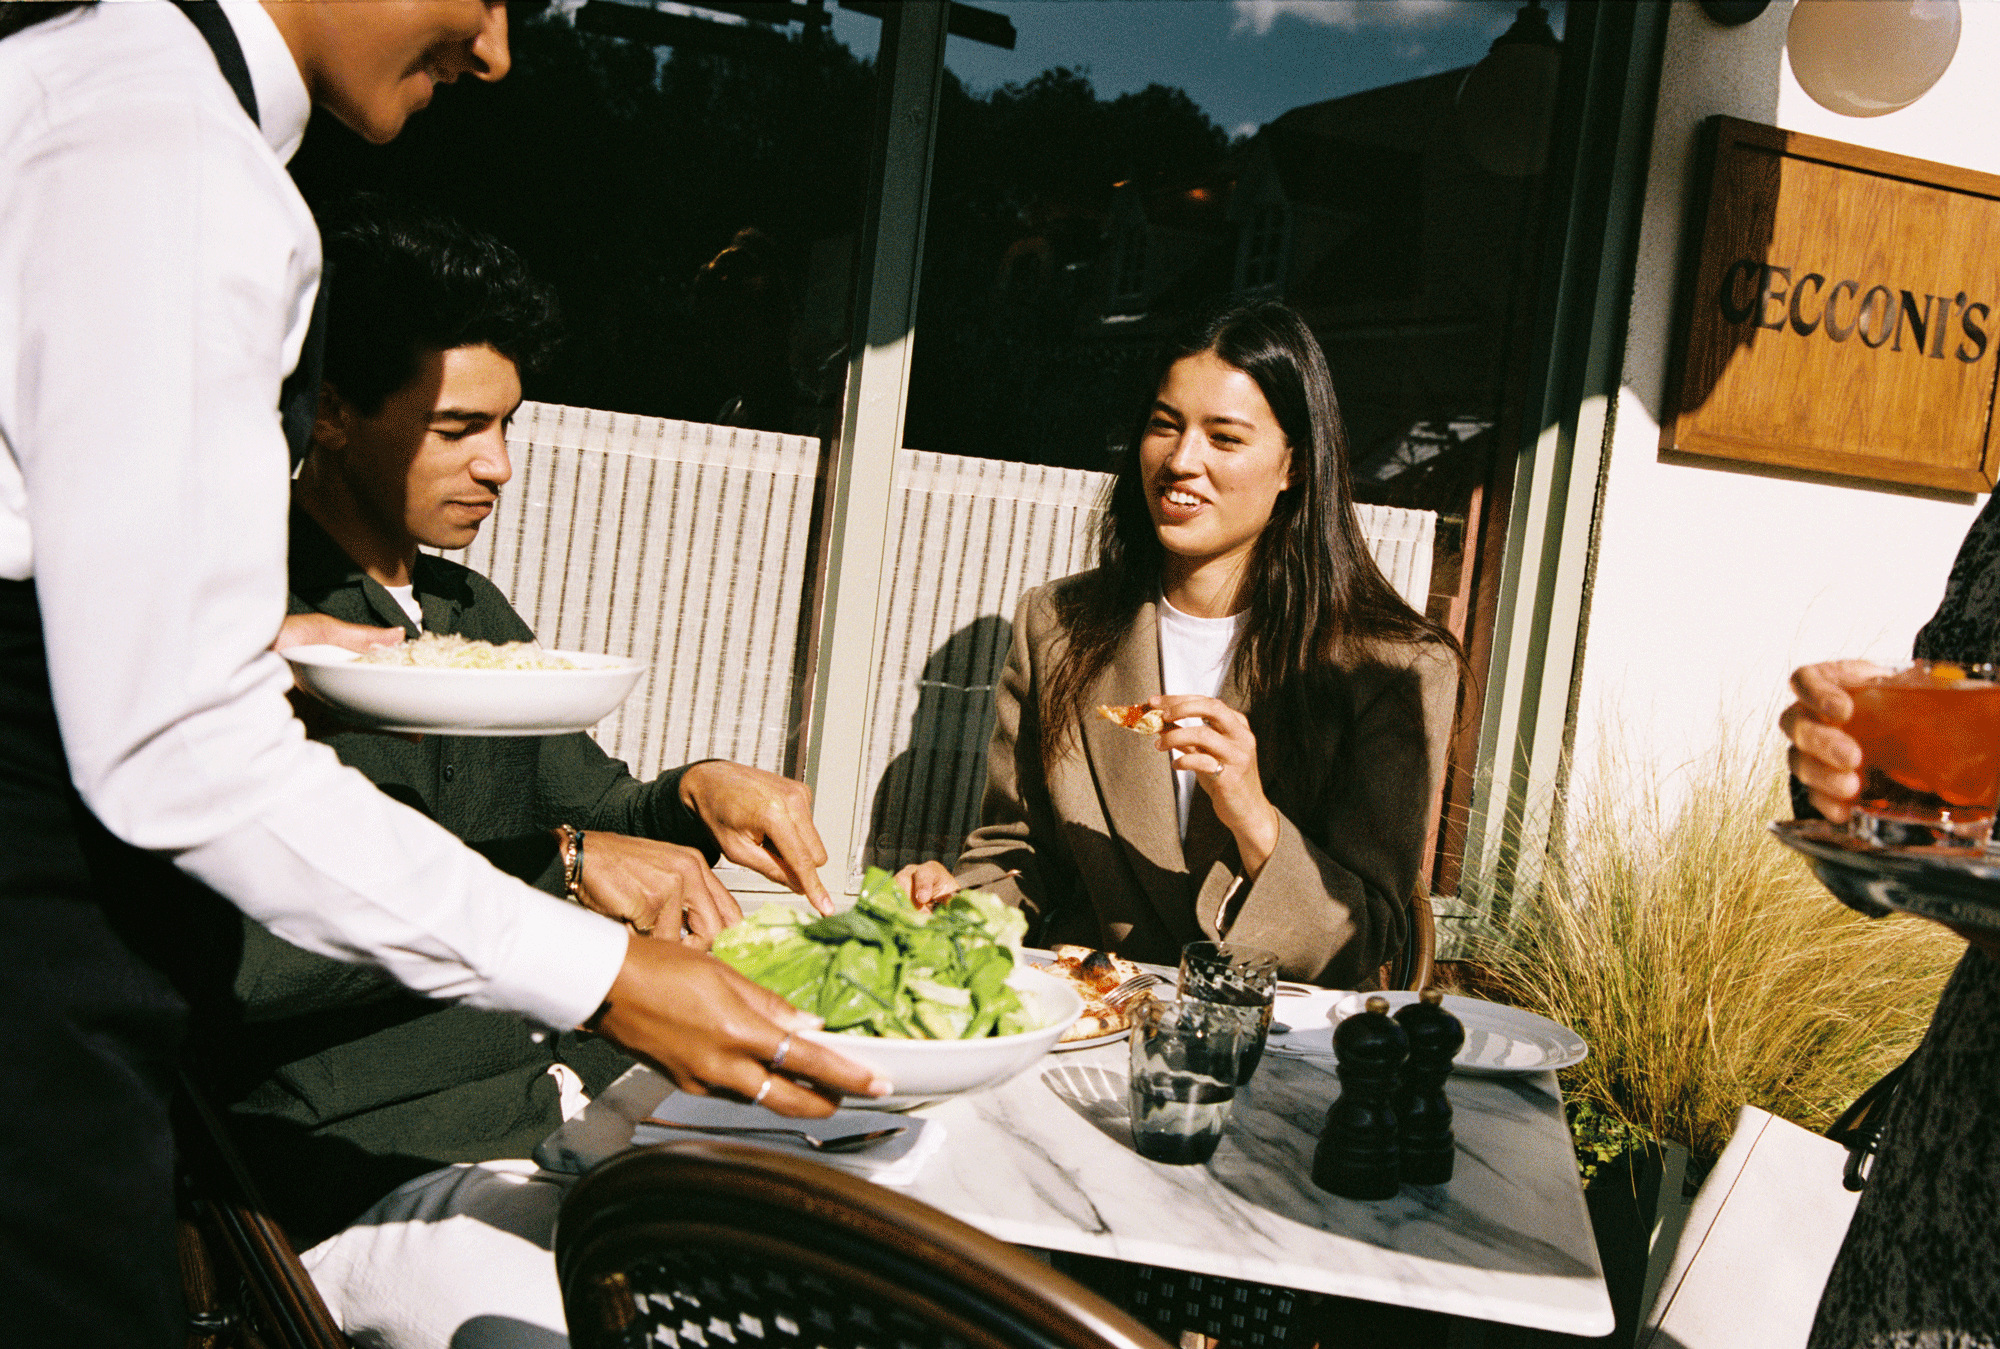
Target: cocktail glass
[(1241, 977), (1930, 755), (1185, 1057)]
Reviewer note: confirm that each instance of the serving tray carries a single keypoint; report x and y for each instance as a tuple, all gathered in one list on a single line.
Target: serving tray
[(1950, 886)]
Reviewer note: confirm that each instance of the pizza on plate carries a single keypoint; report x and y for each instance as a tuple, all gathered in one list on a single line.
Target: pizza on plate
[(1138, 717), (1094, 974)]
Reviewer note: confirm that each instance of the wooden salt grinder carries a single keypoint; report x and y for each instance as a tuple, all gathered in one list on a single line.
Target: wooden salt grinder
[(1356, 1157), (1423, 1111)]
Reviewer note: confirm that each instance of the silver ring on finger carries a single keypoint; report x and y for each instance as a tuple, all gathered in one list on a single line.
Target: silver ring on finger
[(784, 1048), (762, 1091)]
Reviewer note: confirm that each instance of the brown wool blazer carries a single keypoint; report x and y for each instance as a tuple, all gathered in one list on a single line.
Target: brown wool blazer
[(1095, 836)]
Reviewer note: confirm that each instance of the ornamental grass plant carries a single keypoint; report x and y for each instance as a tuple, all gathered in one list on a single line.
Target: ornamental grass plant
[(1705, 965)]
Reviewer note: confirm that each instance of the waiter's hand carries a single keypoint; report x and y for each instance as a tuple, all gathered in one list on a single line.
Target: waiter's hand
[(320, 719), (1824, 757), (761, 821), (658, 888), (710, 1029), (326, 630), (1828, 760)]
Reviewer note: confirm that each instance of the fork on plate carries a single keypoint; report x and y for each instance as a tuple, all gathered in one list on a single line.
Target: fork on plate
[(1129, 990)]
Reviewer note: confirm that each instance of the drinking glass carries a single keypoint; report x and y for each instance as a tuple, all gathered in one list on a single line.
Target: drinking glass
[(1244, 978), (1185, 1057), (1930, 755)]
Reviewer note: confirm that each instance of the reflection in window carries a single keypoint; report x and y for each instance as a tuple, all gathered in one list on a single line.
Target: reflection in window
[(1263, 248)]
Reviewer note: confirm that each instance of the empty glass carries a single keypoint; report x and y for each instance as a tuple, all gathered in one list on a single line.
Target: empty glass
[(1244, 978), (1185, 1062)]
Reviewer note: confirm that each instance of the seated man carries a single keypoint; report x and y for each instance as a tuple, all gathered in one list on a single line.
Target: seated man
[(341, 1087)]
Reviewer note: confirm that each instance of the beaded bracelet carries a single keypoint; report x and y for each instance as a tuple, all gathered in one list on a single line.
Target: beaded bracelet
[(572, 858)]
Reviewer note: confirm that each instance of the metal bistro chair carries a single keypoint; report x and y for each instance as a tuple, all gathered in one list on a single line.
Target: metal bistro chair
[(243, 1283), (713, 1245)]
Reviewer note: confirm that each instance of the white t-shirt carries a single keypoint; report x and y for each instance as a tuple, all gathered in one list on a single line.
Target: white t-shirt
[(406, 600), (1194, 658), (157, 269)]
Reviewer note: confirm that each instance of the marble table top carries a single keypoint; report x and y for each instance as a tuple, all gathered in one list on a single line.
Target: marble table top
[(1046, 1160)]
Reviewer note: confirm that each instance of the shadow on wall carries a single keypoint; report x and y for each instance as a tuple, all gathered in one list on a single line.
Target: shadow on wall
[(928, 799), (1707, 69)]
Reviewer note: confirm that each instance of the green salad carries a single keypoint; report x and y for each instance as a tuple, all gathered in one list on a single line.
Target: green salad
[(885, 967)]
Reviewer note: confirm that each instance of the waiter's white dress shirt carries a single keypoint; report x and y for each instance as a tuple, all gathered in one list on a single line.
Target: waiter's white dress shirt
[(157, 270)]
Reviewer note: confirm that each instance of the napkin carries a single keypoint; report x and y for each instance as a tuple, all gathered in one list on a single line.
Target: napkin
[(612, 1123), (1311, 1018)]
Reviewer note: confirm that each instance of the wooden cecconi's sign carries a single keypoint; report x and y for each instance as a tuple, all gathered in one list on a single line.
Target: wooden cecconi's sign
[(1842, 314)]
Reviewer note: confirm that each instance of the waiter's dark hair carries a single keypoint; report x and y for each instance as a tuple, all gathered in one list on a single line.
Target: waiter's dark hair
[(402, 283), (18, 14), (1314, 594)]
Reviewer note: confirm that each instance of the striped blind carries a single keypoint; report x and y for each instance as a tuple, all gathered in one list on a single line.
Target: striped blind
[(971, 536), (679, 543)]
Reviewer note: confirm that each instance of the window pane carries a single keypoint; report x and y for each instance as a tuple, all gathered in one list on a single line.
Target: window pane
[(1129, 163), (691, 183)]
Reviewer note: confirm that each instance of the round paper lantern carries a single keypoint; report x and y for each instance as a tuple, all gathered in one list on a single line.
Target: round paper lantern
[(1862, 58)]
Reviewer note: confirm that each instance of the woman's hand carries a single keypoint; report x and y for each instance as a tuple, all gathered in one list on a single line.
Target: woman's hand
[(708, 1027), (1221, 751), (927, 884), (1824, 757), (659, 888)]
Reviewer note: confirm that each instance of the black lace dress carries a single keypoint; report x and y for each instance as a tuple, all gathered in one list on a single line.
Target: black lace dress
[(1920, 1268)]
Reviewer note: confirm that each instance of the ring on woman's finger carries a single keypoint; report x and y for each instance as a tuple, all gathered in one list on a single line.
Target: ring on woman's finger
[(643, 929), (784, 1048), (762, 1091)]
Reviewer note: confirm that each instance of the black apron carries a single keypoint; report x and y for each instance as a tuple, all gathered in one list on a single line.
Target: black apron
[(89, 1028)]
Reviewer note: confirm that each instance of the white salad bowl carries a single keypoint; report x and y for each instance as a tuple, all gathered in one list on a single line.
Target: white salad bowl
[(924, 1071), (450, 701)]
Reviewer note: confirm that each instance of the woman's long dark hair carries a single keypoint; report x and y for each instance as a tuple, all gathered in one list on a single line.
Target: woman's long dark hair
[(1314, 592)]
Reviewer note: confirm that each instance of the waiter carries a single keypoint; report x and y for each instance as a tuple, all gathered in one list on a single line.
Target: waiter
[(157, 275)]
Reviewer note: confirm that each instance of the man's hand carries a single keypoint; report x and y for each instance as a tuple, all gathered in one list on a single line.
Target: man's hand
[(709, 1028), (1824, 757), (656, 887), (761, 821), (928, 884)]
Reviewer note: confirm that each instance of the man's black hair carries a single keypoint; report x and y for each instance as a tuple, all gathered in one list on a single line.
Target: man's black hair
[(403, 283)]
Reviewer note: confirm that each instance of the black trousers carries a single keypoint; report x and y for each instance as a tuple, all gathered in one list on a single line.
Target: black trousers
[(89, 1035)]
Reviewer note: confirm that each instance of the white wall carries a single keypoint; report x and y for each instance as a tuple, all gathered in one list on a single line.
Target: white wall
[(1712, 584)]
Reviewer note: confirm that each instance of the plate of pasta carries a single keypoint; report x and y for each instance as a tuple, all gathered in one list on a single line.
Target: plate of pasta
[(450, 685)]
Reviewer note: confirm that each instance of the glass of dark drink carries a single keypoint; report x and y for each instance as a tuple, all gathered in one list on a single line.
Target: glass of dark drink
[(1244, 978), (1930, 755), (1185, 1058)]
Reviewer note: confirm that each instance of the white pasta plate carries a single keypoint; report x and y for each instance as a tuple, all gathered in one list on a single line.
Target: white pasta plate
[(1500, 1041), (440, 700)]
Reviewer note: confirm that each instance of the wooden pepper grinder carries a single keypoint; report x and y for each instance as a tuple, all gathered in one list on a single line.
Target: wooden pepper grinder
[(1356, 1157), (1423, 1111)]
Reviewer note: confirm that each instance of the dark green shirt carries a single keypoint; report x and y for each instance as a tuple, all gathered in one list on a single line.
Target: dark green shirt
[(342, 1085)]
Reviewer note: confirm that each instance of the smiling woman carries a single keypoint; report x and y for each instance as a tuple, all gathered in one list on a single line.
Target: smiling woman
[(1285, 801)]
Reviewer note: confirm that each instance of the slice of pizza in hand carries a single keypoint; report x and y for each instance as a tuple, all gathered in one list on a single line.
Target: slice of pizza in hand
[(1138, 717)]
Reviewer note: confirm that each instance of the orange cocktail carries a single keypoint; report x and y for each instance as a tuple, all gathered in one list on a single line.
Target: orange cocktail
[(1930, 754)]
